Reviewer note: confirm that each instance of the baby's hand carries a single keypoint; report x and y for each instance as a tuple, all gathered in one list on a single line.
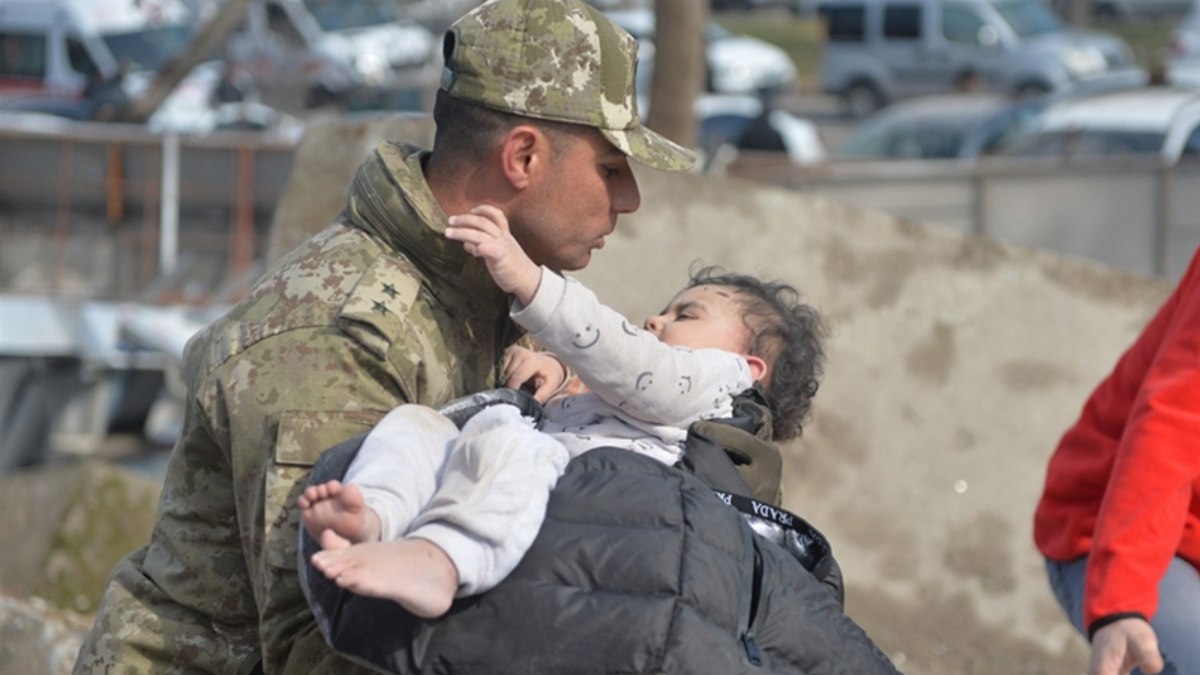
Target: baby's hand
[(484, 234), (542, 369)]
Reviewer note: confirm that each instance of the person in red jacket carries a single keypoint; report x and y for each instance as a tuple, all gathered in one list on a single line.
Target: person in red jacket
[(1119, 519)]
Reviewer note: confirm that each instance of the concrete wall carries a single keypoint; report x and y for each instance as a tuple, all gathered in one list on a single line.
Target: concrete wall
[(1132, 213)]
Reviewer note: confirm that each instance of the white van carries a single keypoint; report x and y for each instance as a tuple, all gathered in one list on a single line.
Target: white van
[(878, 51), (58, 49)]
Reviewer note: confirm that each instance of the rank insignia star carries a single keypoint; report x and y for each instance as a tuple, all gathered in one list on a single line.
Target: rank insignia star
[(380, 307), (390, 291)]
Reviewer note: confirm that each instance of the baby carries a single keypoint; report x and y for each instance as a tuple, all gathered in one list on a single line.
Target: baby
[(427, 512)]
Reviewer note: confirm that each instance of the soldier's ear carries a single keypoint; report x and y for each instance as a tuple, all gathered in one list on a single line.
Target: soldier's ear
[(524, 155)]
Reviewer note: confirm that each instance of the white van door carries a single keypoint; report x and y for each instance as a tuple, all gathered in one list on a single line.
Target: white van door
[(973, 45), (905, 44)]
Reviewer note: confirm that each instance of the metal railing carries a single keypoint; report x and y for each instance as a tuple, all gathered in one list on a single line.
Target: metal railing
[(125, 207), (114, 211), (1139, 215)]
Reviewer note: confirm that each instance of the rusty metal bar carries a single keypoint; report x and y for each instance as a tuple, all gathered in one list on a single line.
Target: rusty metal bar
[(242, 244), (115, 184), (150, 189)]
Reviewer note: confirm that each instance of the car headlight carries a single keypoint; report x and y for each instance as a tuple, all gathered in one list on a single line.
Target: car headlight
[(1083, 61)]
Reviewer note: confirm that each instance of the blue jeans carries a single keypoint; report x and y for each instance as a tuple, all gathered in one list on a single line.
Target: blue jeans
[(1177, 621)]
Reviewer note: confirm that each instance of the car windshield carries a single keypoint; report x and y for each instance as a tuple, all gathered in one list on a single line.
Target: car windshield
[(907, 140), (1085, 143), (147, 49), (335, 15), (1028, 17), (996, 131)]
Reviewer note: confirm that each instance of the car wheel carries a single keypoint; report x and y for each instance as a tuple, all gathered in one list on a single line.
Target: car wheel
[(861, 99)]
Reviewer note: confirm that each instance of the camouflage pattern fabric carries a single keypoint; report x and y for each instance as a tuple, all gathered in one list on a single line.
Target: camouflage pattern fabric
[(558, 60), (376, 310)]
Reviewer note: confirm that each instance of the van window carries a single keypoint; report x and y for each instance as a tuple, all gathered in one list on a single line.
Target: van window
[(22, 56), (280, 23), (343, 14), (81, 62), (147, 49), (960, 23), (1028, 17), (845, 23), (902, 22)]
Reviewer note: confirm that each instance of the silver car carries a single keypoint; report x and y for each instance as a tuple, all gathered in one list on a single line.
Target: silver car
[(879, 51), (1146, 121), (737, 64), (942, 126)]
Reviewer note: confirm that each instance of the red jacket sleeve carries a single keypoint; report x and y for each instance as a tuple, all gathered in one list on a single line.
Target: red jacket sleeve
[(1151, 490)]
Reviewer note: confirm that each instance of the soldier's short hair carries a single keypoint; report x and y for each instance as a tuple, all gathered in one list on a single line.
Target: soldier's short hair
[(468, 132)]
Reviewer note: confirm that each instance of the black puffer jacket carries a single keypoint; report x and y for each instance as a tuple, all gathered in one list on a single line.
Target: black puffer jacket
[(638, 568)]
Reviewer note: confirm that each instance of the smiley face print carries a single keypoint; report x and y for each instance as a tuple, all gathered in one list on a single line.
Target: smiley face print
[(587, 337), (684, 384), (644, 380)]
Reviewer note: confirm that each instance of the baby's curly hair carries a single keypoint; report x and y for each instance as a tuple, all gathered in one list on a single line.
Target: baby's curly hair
[(786, 333)]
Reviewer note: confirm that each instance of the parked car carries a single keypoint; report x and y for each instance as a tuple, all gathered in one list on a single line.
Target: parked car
[(941, 126), (740, 122), (1124, 9), (879, 51), (1182, 62), (1149, 121), (737, 64), (306, 53)]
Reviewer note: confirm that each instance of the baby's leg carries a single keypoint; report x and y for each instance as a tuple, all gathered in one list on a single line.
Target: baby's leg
[(485, 514), (413, 572), (340, 508), (400, 464), (492, 498)]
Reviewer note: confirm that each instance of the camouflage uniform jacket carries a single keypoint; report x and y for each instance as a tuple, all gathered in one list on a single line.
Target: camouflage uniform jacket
[(377, 309)]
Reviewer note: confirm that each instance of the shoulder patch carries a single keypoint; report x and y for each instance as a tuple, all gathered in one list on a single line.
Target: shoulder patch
[(379, 308)]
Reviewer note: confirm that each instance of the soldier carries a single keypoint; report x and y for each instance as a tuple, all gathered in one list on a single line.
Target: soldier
[(536, 115)]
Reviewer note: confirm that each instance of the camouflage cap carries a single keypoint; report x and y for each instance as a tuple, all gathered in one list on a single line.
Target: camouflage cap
[(558, 60)]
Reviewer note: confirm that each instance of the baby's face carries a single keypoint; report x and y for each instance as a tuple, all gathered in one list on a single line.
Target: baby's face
[(703, 317)]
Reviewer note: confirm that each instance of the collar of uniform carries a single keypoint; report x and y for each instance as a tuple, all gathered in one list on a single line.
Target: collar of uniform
[(390, 199)]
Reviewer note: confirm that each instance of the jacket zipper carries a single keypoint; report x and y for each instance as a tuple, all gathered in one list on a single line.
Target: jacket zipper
[(753, 651)]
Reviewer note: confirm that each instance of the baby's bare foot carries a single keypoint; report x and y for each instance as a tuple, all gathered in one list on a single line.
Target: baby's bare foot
[(413, 572), (338, 508)]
